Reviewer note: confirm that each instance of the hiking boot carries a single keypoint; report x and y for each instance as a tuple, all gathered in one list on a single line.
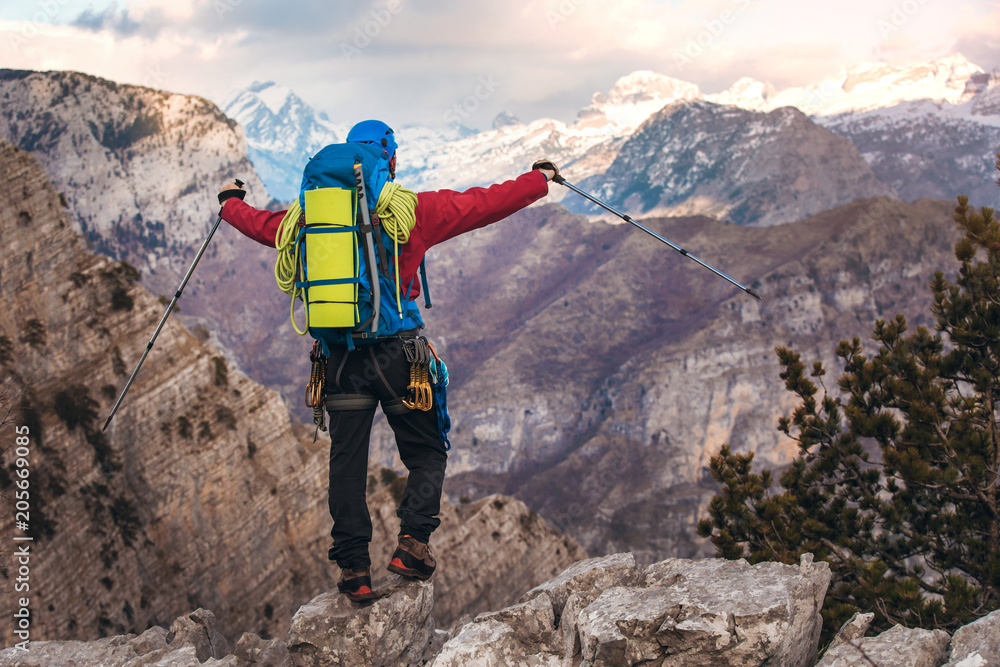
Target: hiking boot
[(412, 559), (357, 584)]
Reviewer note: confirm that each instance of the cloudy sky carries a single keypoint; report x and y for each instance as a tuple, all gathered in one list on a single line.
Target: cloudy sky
[(413, 61)]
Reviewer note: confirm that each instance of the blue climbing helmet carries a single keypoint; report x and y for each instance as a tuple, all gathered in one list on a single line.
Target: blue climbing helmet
[(374, 132)]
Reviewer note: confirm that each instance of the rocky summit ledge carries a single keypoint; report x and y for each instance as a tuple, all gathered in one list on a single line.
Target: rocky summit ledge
[(606, 611)]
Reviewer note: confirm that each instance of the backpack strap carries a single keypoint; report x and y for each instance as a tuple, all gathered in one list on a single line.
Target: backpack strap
[(365, 229), (423, 281), (383, 260)]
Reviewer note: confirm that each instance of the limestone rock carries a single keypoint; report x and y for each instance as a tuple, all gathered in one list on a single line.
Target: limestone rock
[(854, 628), (187, 656), (622, 626), (589, 577), (332, 630), (153, 639), (534, 623), (709, 612), (148, 650), (896, 647), (491, 643), (110, 651), (198, 629), (252, 650), (980, 638), (438, 640)]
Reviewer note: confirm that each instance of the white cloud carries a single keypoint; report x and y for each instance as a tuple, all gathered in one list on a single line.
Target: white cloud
[(410, 60)]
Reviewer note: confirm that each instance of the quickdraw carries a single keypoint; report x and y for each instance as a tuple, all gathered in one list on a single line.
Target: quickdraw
[(418, 353), (314, 390)]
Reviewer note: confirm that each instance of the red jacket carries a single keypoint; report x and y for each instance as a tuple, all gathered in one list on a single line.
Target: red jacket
[(441, 215)]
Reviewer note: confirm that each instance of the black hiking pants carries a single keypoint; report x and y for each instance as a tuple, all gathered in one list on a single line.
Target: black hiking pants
[(381, 372)]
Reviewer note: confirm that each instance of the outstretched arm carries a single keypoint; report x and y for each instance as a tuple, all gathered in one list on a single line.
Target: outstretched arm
[(261, 226), (445, 214)]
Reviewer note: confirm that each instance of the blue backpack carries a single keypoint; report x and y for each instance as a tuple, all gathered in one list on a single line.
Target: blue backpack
[(347, 258)]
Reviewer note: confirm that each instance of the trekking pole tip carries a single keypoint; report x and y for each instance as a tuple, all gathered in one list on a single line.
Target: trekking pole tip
[(754, 294)]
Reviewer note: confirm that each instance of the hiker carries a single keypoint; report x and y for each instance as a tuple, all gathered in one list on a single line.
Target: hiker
[(366, 371)]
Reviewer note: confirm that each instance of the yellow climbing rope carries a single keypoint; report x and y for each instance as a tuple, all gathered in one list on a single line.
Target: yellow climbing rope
[(396, 208), (286, 267)]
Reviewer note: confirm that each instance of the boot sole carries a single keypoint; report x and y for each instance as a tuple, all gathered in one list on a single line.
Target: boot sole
[(397, 567), (362, 597)]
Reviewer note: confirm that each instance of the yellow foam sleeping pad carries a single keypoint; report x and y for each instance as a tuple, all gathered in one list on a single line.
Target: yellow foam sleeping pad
[(396, 208)]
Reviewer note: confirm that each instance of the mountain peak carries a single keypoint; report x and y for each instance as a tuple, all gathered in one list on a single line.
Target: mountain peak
[(864, 87), (746, 93), (279, 122), (646, 84), (505, 119), (634, 98), (273, 95)]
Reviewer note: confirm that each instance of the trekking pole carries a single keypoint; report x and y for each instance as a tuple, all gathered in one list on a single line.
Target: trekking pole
[(241, 194), (559, 179)]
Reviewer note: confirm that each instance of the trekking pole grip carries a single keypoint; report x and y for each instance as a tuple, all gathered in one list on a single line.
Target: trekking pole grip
[(229, 194)]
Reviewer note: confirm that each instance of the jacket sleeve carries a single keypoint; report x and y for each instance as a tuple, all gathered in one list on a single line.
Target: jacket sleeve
[(444, 214), (261, 226)]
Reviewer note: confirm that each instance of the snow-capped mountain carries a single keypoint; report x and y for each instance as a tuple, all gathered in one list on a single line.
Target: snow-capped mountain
[(747, 167), (864, 87), (930, 129), (589, 144), (282, 131)]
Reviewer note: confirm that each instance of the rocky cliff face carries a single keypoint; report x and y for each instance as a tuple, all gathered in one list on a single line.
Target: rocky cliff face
[(202, 492), (746, 167), (140, 169)]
